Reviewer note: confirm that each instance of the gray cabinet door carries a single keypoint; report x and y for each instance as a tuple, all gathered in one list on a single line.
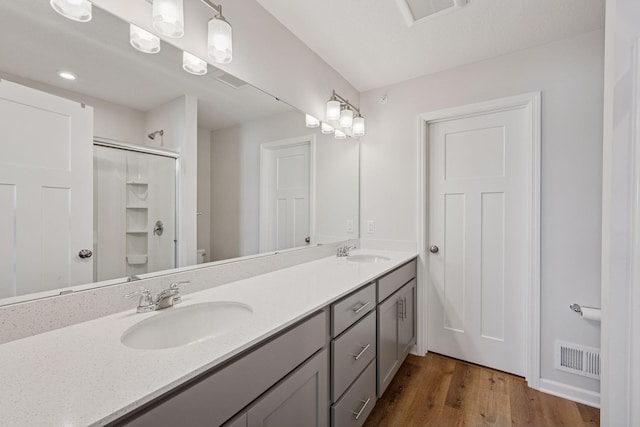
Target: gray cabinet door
[(407, 319), (388, 358), (301, 399)]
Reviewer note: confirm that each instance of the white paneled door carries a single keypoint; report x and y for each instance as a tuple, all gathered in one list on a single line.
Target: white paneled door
[(45, 191), (478, 238), (285, 199)]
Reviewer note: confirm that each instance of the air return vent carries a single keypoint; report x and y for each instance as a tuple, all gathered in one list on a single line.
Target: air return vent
[(230, 80), (577, 359), (414, 11)]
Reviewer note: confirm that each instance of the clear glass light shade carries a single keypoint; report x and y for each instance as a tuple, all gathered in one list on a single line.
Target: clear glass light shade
[(311, 121), (220, 40), (194, 65), (327, 129), (333, 110), (346, 118), (143, 40), (340, 135), (77, 10), (168, 17), (358, 126)]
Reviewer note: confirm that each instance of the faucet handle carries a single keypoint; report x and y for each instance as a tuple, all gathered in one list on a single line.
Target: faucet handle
[(176, 287), (146, 300)]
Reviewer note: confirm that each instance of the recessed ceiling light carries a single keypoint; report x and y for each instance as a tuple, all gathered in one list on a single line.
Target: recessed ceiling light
[(67, 75)]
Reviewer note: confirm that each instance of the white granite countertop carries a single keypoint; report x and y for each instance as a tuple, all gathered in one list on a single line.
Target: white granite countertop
[(83, 375)]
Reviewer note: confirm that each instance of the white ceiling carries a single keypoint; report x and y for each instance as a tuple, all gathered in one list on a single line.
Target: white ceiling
[(36, 42), (369, 43)]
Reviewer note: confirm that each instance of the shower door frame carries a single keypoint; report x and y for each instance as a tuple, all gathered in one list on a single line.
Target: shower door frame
[(119, 145)]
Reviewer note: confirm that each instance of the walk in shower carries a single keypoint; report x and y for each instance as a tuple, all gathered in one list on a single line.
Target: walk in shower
[(134, 210)]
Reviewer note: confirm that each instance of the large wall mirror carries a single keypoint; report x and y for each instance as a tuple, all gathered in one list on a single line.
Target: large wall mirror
[(137, 167)]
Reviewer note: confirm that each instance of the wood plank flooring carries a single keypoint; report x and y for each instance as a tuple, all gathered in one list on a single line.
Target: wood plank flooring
[(438, 391)]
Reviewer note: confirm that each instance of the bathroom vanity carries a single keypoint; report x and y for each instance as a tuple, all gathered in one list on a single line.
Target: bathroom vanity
[(323, 340)]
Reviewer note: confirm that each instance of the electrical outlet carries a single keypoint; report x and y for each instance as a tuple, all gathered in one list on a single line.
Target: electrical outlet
[(349, 226), (371, 226)]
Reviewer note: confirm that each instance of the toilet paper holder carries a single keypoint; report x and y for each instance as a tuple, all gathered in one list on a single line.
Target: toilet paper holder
[(576, 307)]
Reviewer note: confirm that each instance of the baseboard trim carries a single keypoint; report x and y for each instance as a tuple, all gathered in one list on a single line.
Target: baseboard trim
[(575, 394)]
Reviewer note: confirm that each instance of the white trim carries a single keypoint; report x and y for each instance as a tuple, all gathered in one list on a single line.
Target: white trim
[(576, 394), (530, 102), (289, 142)]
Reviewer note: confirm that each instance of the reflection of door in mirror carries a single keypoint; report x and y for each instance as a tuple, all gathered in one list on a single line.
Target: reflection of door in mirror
[(285, 201), (45, 191), (135, 211)]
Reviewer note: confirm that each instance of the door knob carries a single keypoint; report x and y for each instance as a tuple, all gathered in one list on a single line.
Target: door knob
[(85, 253), (434, 249), (307, 239)]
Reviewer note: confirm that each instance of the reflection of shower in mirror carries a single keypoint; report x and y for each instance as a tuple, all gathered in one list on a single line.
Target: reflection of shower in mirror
[(152, 135)]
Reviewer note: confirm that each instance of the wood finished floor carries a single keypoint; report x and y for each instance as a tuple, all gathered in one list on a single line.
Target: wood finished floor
[(438, 391)]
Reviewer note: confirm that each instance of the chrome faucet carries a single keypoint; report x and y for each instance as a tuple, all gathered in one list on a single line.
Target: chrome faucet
[(344, 250), (167, 298)]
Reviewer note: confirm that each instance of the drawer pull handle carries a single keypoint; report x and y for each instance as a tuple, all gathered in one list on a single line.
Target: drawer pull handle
[(364, 348), (365, 403), (359, 309)]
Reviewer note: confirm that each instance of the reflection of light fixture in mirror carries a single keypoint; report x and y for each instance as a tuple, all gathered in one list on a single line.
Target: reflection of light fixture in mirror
[(358, 126), (67, 75), (311, 121), (77, 10), (168, 17), (194, 65), (327, 129), (143, 40), (333, 110), (339, 134), (346, 118), (219, 40)]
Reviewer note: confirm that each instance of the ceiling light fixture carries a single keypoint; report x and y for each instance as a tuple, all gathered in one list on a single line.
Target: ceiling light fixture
[(194, 65), (168, 17), (143, 40), (327, 129), (220, 37), (76, 10), (67, 75), (346, 114), (311, 121)]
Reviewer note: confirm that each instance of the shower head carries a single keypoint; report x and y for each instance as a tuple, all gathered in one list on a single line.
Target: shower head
[(152, 135)]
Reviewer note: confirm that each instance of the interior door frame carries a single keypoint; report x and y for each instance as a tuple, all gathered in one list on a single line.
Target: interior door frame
[(278, 144), (531, 103)]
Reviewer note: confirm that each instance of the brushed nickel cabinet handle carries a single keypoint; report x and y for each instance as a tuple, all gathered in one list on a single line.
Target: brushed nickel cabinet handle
[(364, 348), (362, 307), (358, 413)]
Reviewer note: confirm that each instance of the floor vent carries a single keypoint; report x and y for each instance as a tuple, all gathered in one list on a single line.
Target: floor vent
[(578, 359)]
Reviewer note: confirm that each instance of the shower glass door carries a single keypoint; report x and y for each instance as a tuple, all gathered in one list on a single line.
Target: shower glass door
[(134, 212)]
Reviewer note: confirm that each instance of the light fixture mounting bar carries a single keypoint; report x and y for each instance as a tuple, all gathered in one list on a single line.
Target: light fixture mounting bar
[(342, 100), (216, 7)]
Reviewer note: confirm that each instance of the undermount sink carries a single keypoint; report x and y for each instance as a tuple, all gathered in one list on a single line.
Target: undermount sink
[(181, 326), (368, 258)]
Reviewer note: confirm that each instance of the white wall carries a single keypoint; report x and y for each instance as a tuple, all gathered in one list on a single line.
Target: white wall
[(570, 75), (179, 120), (204, 192), (621, 218), (265, 53), (235, 182)]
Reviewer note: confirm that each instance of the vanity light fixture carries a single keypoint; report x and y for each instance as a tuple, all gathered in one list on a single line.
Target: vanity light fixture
[(311, 121), (348, 115), (220, 37), (143, 40), (327, 129), (346, 118), (358, 126), (76, 10), (333, 109), (339, 134), (168, 17), (67, 75), (194, 65)]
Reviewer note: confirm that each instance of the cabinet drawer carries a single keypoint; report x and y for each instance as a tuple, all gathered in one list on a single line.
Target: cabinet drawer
[(351, 353), (358, 401), (393, 281), (346, 312), (216, 397)]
